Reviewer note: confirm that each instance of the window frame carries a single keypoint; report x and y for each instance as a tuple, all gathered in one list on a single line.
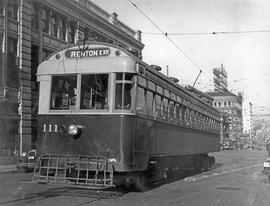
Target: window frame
[(77, 95), (124, 82), (80, 76), (45, 20)]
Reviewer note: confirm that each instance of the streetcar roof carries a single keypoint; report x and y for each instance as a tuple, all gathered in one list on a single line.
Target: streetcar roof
[(89, 59), (73, 59)]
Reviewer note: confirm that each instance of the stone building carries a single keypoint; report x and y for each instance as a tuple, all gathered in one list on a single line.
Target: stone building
[(29, 31), (247, 112), (230, 106)]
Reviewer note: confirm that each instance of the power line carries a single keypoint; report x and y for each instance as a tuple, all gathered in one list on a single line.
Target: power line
[(251, 77), (209, 33), (251, 85), (166, 35)]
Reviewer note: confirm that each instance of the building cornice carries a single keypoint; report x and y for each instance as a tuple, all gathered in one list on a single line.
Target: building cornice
[(94, 18)]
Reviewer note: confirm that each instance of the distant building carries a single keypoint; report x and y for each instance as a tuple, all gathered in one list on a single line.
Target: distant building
[(247, 112), (230, 105), (30, 30), (220, 79)]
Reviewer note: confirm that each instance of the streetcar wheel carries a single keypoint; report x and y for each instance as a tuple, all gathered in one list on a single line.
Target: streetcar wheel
[(141, 183), (213, 160)]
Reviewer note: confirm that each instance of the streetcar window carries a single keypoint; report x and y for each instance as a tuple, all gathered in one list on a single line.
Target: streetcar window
[(158, 105), (159, 90), (123, 96), (140, 101), (187, 117), (123, 91), (149, 103), (64, 92), (177, 112), (171, 110), (181, 116), (151, 86), (191, 118), (164, 111), (94, 91)]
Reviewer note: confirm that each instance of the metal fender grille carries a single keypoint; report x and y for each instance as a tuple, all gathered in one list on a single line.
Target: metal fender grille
[(77, 171)]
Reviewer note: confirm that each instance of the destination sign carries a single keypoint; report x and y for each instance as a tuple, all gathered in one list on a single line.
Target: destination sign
[(94, 52)]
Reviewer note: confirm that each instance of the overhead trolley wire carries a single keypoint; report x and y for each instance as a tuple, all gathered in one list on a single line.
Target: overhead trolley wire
[(167, 36), (252, 77), (209, 33), (251, 85)]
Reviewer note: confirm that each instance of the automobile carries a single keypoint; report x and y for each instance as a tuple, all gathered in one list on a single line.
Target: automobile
[(227, 147), (266, 163), (266, 168), (27, 162)]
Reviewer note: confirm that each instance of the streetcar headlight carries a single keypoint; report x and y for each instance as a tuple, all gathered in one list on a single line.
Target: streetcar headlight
[(73, 130)]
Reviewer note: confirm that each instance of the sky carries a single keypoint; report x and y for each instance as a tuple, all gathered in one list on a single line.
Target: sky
[(245, 56)]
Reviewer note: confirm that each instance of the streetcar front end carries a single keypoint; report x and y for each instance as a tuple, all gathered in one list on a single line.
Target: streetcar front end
[(86, 116)]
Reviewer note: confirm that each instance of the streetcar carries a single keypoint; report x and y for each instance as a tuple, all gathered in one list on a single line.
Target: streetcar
[(106, 118)]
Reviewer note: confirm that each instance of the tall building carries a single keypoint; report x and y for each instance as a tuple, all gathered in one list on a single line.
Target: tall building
[(30, 30), (247, 112), (230, 105), (220, 79)]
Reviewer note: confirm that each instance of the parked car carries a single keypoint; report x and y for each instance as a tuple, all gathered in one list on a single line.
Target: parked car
[(27, 162), (266, 163)]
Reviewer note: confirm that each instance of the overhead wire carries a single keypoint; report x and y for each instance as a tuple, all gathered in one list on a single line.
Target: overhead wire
[(251, 85), (167, 36), (251, 77), (209, 33)]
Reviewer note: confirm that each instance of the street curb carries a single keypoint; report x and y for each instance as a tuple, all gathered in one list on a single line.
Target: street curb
[(7, 168)]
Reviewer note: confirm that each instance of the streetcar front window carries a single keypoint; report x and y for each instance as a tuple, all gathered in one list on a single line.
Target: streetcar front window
[(94, 92), (64, 92), (123, 91)]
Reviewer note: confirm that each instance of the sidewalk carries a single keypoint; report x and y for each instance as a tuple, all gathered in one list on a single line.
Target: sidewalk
[(8, 168)]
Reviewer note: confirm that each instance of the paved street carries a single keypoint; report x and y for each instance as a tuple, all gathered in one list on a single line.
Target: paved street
[(235, 180)]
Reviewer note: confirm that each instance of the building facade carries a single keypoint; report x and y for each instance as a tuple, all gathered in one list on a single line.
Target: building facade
[(30, 30), (220, 79), (230, 105), (247, 112)]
